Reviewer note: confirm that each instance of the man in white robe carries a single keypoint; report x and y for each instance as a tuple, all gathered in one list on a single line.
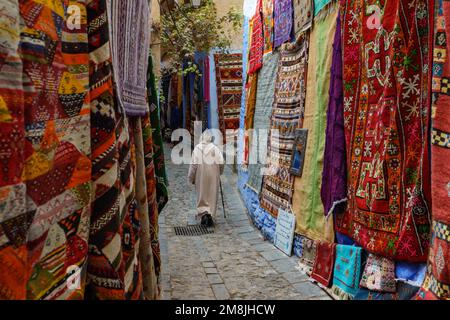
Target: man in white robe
[(206, 167)]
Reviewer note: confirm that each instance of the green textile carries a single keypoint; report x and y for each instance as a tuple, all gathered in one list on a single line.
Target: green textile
[(307, 203), (158, 149)]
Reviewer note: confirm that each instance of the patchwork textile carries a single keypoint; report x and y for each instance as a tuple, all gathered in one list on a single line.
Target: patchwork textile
[(287, 116), (268, 21), (437, 282), (404, 292), (130, 42), (347, 271), (13, 189), (45, 149), (157, 140), (307, 203), (283, 12), (387, 69), (303, 15), (256, 42), (229, 92), (334, 175), (379, 274), (263, 108), (308, 254), (322, 271)]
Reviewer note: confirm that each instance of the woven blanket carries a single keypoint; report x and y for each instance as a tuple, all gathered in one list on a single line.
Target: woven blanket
[(263, 108), (129, 29), (307, 202), (308, 254), (303, 15), (322, 271), (114, 231), (257, 41), (334, 176), (379, 274), (283, 12), (347, 271), (287, 116), (437, 282), (386, 114), (268, 20), (229, 92)]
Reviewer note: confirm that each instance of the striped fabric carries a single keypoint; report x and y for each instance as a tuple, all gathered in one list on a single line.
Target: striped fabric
[(287, 116)]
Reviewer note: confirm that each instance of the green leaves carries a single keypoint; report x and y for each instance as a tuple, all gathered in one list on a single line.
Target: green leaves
[(186, 30)]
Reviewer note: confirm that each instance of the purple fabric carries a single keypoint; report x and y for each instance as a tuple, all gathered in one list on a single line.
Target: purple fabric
[(129, 27), (334, 176), (283, 14)]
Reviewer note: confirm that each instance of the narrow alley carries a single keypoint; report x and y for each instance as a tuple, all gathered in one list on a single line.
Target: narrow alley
[(232, 263)]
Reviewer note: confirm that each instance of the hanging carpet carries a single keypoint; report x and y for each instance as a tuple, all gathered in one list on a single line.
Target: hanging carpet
[(287, 116), (387, 65), (229, 92)]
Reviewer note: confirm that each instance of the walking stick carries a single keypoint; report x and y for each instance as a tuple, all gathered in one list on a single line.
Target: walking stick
[(223, 202)]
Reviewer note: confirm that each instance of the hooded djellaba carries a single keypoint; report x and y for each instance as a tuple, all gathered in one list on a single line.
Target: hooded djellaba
[(204, 172)]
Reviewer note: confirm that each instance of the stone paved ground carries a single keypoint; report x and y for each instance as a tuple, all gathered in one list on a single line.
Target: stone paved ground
[(232, 263)]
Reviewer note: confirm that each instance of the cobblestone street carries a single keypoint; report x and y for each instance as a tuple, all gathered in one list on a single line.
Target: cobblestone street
[(234, 262)]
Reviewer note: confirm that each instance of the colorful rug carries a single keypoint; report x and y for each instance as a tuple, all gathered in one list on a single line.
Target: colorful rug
[(114, 270), (334, 175), (437, 282), (379, 274), (157, 140), (287, 116), (282, 12), (229, 92), (322, 271), (386, 116), (347, 271), (267, 12), (257, 41), (45, 173), (68, 200), (303, 15), (307, 203), (308, 254), (263, 108)]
